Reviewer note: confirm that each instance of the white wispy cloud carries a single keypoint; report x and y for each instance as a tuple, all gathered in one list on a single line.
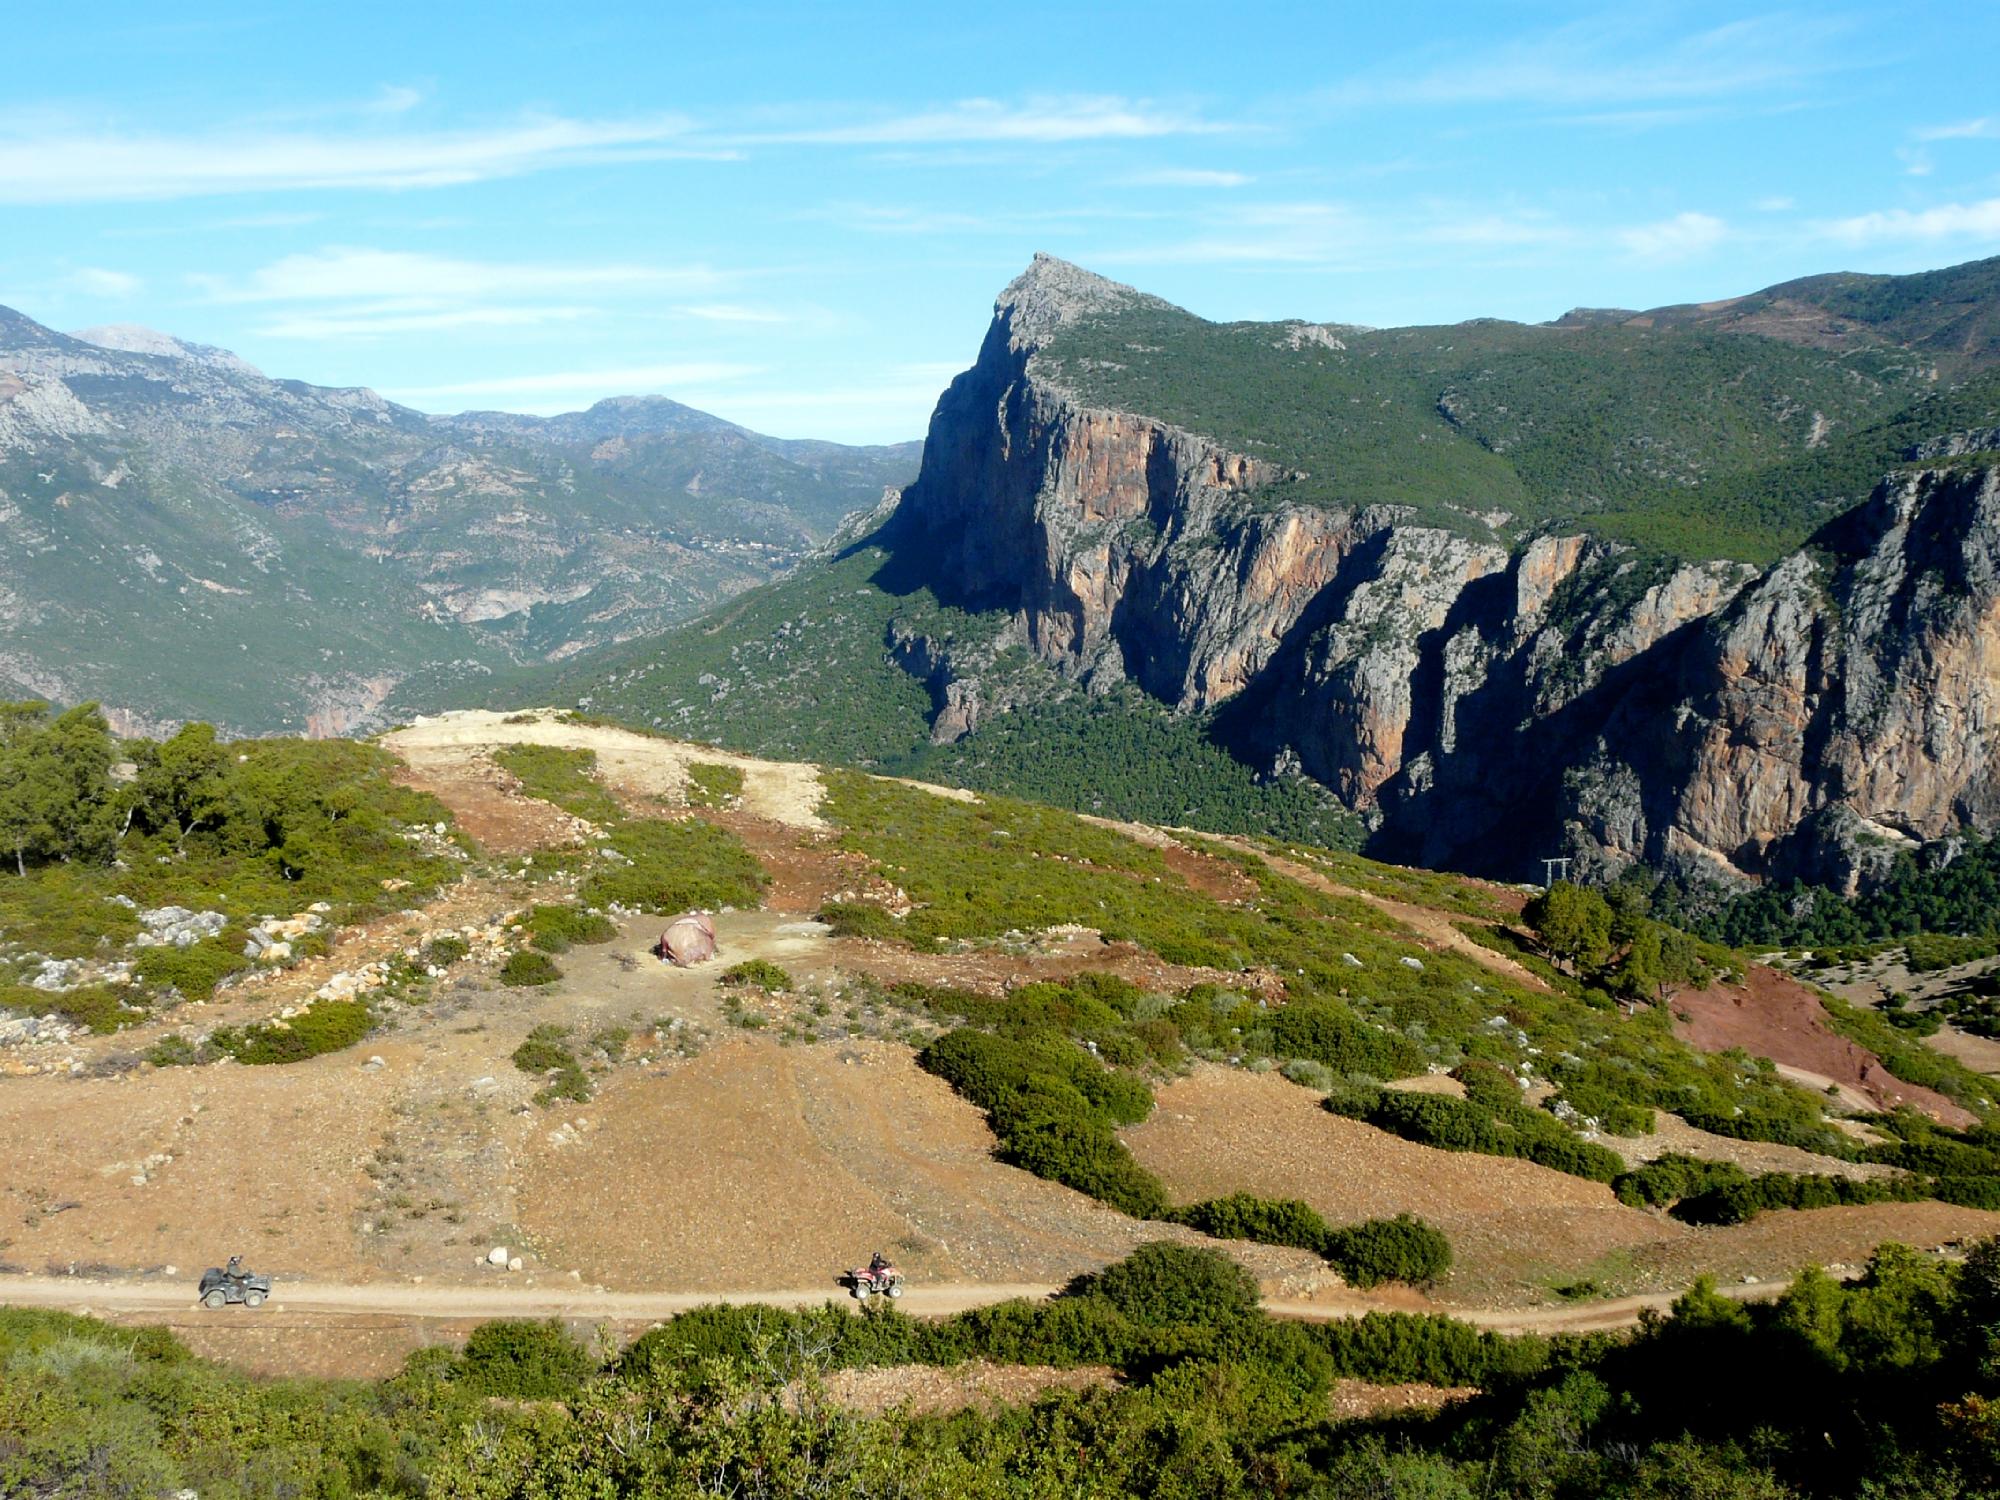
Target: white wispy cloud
[(1605, 61), (1985, 128), (1946, 221), (1050, 120), (1683, 237), (353, 272), (1777, 203), (96, 281), (731, 312), (57, 163), (1187, 177), (630, 380), (402, 317)]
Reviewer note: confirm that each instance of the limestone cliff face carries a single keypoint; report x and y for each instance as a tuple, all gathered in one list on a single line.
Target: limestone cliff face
[(1847, 704), (1480, 703)]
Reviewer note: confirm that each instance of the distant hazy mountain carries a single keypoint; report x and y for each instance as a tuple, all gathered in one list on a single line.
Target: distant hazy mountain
[(181, 536)]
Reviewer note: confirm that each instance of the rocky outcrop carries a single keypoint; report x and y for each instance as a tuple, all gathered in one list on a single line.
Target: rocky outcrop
[(1482, 703), (1846, 706)]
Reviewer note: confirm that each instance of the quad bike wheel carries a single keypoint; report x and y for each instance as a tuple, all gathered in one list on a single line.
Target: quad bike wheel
[(860, 1291), (895, 1291), (215, 1297), (253, 1298)]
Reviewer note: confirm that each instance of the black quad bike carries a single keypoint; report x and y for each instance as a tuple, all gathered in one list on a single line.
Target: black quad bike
[(223, 1285)]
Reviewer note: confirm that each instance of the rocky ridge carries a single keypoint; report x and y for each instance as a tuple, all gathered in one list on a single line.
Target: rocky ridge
[(1482, 700)]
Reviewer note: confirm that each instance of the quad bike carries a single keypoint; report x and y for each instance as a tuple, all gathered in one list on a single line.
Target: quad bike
[(221, 1286), (876, 1279)]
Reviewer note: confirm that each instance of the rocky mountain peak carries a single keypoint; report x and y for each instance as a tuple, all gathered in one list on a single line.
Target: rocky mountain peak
[(1053, 293), (134, 338)]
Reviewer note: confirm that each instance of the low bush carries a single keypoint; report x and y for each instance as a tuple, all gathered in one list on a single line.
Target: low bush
[(666, 866), (1404, 1248), (103, 1008), (861, 919), (1054, 1108), (1325, 1031), (524, 1360), (1712, 1192), (1268, 1221), (712, 785), (556, 929), (1498, 1128), (760, 973), (192, 972), (173, 1052), (325, 1026), (1401, 1249), (1161, 1285), (546, 1054), (528, 967), (442, 952)]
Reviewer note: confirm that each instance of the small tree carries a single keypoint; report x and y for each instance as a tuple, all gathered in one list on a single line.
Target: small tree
[(1574, 924)]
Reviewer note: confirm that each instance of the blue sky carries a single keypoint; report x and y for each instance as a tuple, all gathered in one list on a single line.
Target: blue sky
[(797, 215)]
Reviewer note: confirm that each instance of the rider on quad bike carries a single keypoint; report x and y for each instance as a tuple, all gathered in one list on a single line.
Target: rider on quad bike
[(878, 1276)]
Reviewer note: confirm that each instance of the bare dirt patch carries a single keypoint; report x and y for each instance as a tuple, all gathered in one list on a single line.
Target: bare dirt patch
[(640, 766), (977, 1384), (760, 1165), (1771, 1015), (1516, 1229), (1357, 1400), (1511, 1223)]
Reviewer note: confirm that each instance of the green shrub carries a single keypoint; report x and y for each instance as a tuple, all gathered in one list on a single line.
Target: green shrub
[(192, 972), (563, 776), (443, 952), (861, 919), (1161, 1285), (1404, 1248), (173, 1052), (1268, 1221), (546, 1054), (712, 785), (527, 967), (325, 1026), (1509, 1129), (524, 1360), (667, 866), (1711, 1192), (556, 929), (1325, 1031), (759, 973), (104, 1008), (1083, 1154)]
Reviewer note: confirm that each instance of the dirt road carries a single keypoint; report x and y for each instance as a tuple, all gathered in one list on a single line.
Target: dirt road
[(124, 1298)]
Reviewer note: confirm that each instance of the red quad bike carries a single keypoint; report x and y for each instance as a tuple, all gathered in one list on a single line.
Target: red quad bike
[(876, 1279)]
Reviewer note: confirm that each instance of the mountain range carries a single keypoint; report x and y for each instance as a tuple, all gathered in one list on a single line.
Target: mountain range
[(1708, 588), (182, 537), (1711, 589)]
